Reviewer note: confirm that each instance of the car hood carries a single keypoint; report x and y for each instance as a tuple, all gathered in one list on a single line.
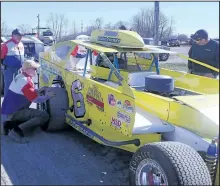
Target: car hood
[(208, 106)]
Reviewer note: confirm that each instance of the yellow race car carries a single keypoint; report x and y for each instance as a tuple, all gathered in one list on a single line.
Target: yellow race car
[(169, 119)]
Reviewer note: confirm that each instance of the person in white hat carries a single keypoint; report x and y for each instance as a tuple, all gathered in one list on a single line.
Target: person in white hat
[(15, 107)]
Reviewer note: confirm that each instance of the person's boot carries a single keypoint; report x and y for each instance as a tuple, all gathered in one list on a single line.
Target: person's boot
[(7, 126), (16, 133)]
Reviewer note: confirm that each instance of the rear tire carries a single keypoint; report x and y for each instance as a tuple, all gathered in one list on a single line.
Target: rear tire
[(54, 107), (178, 164)]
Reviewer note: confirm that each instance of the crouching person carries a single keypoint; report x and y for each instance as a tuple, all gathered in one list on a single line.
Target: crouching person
[(18, 118)]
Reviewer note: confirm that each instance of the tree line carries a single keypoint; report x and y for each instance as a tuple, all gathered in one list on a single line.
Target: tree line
[(142, 22)]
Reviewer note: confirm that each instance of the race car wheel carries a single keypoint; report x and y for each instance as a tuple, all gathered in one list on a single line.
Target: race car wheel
[(168, 163), (56, 109)]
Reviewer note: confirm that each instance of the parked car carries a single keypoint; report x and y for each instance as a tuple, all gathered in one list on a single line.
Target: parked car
[(163, 56), (174, 42)]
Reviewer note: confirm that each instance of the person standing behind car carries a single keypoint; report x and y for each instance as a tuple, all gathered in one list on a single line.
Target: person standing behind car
[(205, 50), (12, 57)]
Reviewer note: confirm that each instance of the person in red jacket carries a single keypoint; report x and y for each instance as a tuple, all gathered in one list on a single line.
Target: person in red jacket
[(15, 106), (12, 57)]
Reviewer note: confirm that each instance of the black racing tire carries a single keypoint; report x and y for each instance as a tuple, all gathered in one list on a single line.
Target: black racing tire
[(55, 107), (2, 83), (181, 164)]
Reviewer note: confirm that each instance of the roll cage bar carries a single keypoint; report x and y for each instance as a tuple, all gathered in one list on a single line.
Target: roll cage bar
[(114, 67)]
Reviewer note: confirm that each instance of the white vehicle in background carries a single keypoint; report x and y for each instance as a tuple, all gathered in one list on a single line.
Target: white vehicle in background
[(47, 38)]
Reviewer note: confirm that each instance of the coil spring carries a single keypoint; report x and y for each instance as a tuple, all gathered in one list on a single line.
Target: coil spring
[(211, 163)]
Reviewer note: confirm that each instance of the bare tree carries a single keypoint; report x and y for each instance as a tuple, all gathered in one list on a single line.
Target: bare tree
[(25, 28), (143, 23), (109, 26), (4, 28), (73, 29), (95, 24), (98, 23), (120, 24), (58, 25)]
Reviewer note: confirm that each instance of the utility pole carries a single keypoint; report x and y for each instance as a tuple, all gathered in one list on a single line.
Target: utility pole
[(38, 24), (156, 22)]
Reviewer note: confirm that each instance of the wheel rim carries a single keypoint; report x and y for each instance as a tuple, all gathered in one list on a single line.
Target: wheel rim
[(164, 56), (149, 172)]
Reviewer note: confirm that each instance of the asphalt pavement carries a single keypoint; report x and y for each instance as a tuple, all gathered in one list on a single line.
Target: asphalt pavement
[(63, 158)]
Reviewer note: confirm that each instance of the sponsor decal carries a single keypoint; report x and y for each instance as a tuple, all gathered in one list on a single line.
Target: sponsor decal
[(108, 39), (111, 100), (116, 123), (94, 97), (119, 104), (124, 117), (78, 99), (126, 106)]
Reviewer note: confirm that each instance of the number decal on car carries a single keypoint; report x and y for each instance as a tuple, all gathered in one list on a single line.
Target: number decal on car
[(78, 100)]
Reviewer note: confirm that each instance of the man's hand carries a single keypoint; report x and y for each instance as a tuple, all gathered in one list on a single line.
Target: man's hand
[(50, 94), (41, 90)]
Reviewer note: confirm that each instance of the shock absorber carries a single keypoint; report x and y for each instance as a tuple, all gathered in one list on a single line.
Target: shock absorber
[(211, 159)]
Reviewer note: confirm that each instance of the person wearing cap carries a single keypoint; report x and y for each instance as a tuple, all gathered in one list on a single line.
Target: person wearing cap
[(12, 56), (205, 50), (15, 106)]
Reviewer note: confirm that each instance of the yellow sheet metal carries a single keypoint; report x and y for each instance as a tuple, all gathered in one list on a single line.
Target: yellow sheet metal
[(199, 101), (94, 46), (102, 48)]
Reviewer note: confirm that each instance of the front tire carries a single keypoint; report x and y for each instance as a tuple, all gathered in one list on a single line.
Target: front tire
[(168, 163)]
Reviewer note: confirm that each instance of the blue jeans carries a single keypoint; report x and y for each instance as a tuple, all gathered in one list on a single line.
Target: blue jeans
[(9, 73)]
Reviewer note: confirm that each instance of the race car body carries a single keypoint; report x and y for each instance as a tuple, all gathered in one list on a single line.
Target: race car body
[(135, 106)]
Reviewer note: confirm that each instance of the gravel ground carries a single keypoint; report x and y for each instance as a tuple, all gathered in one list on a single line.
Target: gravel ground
[(68, 157)]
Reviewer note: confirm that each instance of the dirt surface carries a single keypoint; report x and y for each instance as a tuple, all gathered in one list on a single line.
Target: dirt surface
[(68, 157)]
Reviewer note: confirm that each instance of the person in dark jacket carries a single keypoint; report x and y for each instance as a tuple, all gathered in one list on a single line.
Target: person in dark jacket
[(206, 51), (12, 57)]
